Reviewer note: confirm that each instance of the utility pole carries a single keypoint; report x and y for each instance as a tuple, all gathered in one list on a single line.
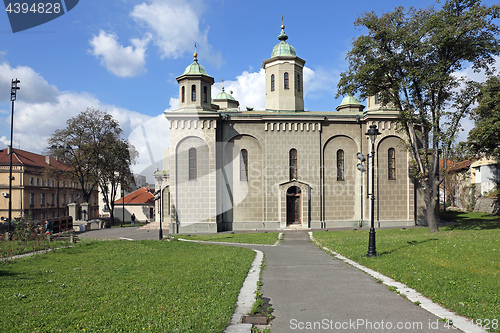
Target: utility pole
[(13, 94)]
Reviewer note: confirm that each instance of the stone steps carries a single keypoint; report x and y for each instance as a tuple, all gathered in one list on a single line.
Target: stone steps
[(154, 226)]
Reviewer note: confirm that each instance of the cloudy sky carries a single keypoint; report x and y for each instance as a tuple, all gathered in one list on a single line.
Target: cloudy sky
[(122, 56)]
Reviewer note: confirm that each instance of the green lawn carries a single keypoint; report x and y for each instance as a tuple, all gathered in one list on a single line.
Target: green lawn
[(11, 248), (247, 238), (459, 267), (119, 286)]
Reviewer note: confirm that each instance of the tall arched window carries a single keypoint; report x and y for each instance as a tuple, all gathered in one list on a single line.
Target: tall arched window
[(340, 164), (244, 165), (391, 163), (297, 84), (183, 94), (205, 94), (293, 164), (192, 164), (193, 93), (272, 82), (286, 85)]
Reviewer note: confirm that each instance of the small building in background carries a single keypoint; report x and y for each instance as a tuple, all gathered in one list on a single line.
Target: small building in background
[(141, 202), (486, 175)]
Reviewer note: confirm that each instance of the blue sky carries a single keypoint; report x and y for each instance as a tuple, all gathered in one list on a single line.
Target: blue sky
[(122, 56)]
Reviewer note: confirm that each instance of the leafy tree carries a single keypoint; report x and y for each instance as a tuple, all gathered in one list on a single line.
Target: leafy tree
[(409, 57), (114, 170), (91, 146), (484, 138)]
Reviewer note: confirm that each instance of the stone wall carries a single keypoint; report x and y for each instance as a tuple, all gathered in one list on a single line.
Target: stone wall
[(488, 205)]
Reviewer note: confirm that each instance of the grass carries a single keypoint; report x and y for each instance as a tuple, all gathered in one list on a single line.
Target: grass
[(247, 238), (118, 286), (458, 267), (15, 247)]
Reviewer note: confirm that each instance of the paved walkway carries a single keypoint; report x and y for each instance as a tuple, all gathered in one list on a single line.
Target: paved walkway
[(311, 291), (127, 233)]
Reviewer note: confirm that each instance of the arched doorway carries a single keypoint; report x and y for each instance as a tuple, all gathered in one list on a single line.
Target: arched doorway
[(293, 205)]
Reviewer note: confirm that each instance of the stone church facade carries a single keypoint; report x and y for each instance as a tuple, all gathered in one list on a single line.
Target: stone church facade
[(282, 167)]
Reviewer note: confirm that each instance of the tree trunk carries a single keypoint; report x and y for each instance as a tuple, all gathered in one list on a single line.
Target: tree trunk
[(111, 215), (431, 204)]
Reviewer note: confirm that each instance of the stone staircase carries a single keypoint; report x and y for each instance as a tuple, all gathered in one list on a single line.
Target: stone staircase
[(155, 226)]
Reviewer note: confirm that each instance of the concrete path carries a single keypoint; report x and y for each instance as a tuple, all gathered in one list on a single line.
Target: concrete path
[(311, 291), (126, 233)]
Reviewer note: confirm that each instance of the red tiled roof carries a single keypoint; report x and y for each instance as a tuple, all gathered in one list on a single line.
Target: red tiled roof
[(144, 195), (463, 165), (23, 157)]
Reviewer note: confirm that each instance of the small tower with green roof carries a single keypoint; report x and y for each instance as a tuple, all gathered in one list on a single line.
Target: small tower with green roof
[(225, 101), (351, 104), (195, 88), (284, 77)]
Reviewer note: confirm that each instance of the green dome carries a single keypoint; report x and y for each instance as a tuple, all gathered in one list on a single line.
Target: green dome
[(283, 48), (350, 100), (195, 68), (224, 95)]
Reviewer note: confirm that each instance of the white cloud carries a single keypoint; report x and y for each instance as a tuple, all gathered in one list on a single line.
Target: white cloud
[(249, 89), (123, 61), (150, 139), (38, 115), (320, 81), (33, 86), (175, 27)]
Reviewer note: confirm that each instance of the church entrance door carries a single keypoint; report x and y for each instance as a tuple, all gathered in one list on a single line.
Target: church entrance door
[(293, 205)]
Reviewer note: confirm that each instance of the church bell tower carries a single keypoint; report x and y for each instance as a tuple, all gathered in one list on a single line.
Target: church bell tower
[(284, 77)]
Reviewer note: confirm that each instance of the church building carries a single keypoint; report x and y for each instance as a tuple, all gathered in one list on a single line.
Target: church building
[(282, 167)]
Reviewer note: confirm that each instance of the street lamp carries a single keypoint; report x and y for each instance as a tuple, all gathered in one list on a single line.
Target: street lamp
[(158, 196), (372, 134), (13, 95)]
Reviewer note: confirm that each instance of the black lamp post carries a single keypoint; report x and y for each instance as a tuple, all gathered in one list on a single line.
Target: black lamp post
[(13, 95), (372, 134), (158, 196)]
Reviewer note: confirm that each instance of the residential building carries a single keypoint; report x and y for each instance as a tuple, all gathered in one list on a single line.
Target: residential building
[(486, 175), (35, 194)]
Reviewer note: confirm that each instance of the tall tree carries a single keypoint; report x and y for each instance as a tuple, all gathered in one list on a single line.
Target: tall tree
[(114, 170), (408, 58), (91, 146), (484, 138)]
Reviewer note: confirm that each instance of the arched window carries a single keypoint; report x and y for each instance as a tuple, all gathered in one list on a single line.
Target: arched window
[(298, 82), (244, 165), (293, 164), (287, 85), (272, 82), (183, 94), (192, 164), (340, 164), (193, 93), (205, 94), (392, 163)]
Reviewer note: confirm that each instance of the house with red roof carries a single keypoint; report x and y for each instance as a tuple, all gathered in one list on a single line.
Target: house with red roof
[(141, 202), (35, 193)]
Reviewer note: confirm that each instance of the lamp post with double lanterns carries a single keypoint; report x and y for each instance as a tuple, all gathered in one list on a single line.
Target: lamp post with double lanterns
[(372, 133), (13, 95)]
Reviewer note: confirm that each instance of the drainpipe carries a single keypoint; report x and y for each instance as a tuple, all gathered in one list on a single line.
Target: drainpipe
[(361, 150)]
